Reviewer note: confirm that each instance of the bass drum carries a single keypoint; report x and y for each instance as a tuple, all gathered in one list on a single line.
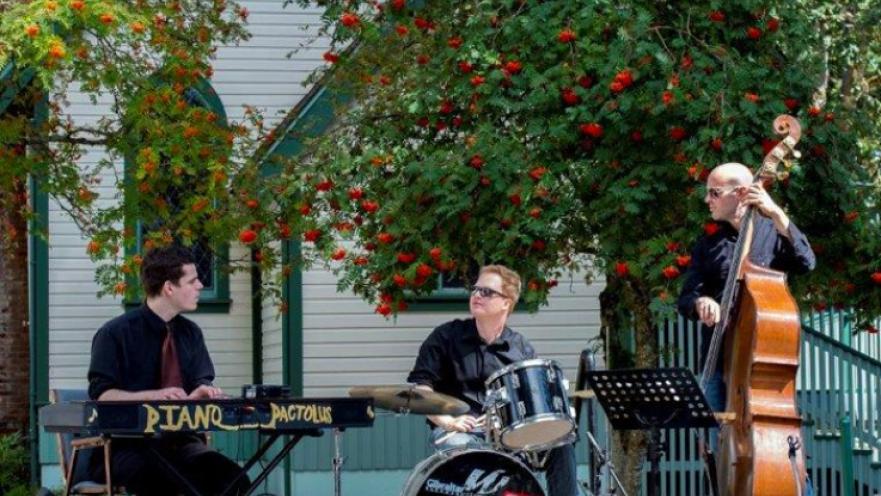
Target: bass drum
[(472, 472)]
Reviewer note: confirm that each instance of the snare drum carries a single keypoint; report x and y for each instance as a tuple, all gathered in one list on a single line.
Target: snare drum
[(461, 471), (528, 407)]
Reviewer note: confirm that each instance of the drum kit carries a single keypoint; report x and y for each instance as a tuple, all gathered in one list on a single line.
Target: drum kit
[(526, 413)]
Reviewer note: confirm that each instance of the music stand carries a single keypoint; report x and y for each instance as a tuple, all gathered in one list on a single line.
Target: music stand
[(652, 399)]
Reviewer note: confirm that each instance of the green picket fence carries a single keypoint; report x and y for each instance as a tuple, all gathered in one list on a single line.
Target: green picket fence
[(839, 397)]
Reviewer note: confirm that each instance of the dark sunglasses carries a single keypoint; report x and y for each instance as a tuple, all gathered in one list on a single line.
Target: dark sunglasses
[(485, 292), (716, 193)]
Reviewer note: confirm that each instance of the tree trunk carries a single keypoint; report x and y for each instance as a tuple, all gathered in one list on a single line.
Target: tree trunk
[(628, 329), (14, 342)]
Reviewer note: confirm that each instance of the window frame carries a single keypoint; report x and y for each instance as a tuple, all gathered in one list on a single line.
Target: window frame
[(218, 299), (446, 300)]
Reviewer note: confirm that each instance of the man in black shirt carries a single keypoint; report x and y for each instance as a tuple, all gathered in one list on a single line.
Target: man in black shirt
[(777, 243), (153, 353), (458, 357)]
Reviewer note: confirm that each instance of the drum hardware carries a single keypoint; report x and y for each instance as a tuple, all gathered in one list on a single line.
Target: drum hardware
[(338, 460), (603, 459), (497, 396), (536, 459), (527, 413)]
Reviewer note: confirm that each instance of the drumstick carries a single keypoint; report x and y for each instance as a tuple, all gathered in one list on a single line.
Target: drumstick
[(443, 439)]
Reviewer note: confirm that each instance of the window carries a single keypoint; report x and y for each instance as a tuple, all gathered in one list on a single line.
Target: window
[(211, 264), (451, 295)]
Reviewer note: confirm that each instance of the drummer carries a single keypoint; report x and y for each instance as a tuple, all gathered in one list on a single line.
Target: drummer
[(458, 357)]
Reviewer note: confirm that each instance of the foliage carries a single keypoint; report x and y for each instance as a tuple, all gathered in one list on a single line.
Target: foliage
[(13, 465), (850, 36), (145, 58), (531, 133), (535, 133)]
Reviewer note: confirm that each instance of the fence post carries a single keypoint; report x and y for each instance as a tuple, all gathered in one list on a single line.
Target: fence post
[(847, 476)]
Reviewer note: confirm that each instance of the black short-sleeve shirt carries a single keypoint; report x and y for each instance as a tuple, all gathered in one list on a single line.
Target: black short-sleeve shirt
[(454, 360), (127, 353)]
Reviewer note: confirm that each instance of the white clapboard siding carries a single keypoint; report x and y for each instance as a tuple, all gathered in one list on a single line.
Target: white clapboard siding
[(346, 344), (272, 339), (75, 313), (258, 72)]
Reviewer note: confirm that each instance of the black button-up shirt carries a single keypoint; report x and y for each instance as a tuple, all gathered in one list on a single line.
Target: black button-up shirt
[(127, 353), (711, 260), (454, 360)]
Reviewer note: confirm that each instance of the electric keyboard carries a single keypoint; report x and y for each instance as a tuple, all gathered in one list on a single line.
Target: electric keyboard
[(280, 415)]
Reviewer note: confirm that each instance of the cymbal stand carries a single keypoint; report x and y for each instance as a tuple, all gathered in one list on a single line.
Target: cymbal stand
[(537, 460), (338, 461), (604, 460)]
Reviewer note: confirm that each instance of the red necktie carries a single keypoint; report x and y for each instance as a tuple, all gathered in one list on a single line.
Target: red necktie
[(171, 376)]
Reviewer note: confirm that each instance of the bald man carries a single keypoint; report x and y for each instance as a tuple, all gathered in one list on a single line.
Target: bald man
[(777, 243)]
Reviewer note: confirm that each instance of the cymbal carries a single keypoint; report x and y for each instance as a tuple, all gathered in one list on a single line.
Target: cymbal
[(408, 399)]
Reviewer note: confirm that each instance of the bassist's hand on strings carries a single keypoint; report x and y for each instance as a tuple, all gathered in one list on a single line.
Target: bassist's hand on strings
[(757, 197), (762, 201), (707, 310)]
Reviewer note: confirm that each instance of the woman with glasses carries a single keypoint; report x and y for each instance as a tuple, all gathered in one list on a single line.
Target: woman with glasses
[(777, 243), (459, 356)]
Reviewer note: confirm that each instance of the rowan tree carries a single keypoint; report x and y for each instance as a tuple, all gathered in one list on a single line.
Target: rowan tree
[(549, 136), (532, 133), (553, 136), (145, 58)]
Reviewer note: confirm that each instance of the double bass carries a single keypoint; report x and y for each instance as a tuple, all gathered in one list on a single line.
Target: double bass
[(760, 449)]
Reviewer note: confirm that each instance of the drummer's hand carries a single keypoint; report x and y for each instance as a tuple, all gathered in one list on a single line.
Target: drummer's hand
[(483, 422), (462, 423), (707, 310)]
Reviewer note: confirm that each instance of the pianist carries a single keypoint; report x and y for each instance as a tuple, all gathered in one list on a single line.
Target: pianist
[(154, 353)]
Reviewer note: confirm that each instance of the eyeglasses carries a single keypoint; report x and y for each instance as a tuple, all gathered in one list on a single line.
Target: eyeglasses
[(485, 292), (716, 193)]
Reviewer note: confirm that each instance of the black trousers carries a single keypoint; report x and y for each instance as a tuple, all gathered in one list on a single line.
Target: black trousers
[(133, 467)]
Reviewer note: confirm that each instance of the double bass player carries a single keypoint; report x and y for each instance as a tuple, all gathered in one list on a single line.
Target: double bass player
[(777, 244), (736, 286)]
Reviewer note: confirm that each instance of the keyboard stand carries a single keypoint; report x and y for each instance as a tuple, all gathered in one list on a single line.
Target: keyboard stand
[(295, 438)]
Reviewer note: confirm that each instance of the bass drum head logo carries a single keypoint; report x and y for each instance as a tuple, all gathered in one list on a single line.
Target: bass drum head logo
[(480, 473)]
